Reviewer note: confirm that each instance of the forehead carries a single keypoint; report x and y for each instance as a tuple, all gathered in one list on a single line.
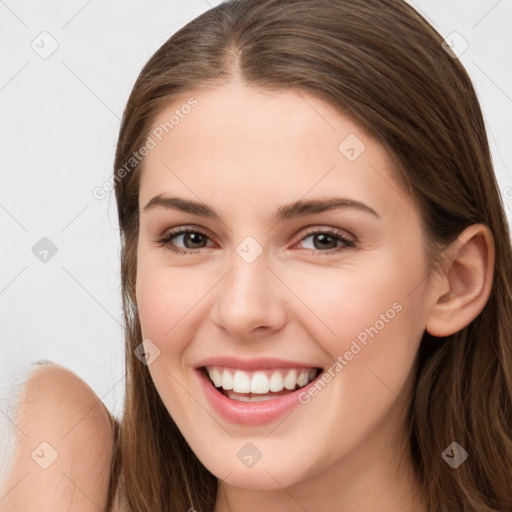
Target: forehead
[(250, 116), (233, 140)]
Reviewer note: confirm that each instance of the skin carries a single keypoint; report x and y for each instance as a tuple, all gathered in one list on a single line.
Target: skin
[(244, 153), (63, 445)]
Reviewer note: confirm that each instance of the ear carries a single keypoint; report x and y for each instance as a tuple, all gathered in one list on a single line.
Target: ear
[(464, 288)]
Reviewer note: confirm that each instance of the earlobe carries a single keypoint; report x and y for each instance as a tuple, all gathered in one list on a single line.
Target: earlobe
[(468, 273)]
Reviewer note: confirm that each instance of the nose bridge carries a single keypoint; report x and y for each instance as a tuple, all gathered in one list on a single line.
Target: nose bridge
[(248, 297)]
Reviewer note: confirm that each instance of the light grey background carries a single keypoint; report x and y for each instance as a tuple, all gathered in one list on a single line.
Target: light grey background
[(60, 117)]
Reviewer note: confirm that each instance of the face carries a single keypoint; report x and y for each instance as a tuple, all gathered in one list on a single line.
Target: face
[(341, 288)]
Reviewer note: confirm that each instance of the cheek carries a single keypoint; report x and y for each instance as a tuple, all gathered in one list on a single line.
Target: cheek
[(166, 301), (346, 300), (370, 315)]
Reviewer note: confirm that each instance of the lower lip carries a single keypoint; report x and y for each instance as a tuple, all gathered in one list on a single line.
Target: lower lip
[(251, 413)]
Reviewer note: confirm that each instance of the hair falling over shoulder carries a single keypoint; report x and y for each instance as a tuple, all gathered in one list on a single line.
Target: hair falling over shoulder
[(382, 63)]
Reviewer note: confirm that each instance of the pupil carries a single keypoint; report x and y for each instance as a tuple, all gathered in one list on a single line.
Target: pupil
[(323, 237), (194, 237)]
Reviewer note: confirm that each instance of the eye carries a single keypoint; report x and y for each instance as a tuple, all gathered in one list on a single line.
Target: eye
[(191, 238), (324, 241)]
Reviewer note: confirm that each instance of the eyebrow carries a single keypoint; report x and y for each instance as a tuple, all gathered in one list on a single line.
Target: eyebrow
[(286, 212)]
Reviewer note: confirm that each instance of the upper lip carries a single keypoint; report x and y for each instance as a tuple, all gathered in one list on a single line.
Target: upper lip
[(255, 363)]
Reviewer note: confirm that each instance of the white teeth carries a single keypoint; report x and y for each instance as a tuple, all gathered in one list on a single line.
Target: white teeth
[(241, 382), (290, 380), (227, 380), (260, 382), (276, 382), (216, 376), (303, 379)]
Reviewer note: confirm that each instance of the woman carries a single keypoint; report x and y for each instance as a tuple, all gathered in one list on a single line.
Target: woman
[(316, 270)]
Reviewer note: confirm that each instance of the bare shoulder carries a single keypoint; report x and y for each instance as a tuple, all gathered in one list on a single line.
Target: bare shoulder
[(63, 438)]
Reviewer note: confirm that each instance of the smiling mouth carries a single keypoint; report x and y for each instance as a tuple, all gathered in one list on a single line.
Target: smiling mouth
[(259, 385)]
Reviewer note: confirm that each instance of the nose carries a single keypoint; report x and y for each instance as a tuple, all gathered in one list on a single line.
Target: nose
[(249, 300)]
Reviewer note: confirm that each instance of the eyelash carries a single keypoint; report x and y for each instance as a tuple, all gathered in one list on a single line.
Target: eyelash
[(166, 240)]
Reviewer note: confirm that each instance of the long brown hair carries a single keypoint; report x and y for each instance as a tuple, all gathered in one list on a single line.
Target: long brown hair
[(383, 64)]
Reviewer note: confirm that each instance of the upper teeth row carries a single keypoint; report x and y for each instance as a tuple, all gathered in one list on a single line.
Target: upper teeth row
[(260, 381)]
